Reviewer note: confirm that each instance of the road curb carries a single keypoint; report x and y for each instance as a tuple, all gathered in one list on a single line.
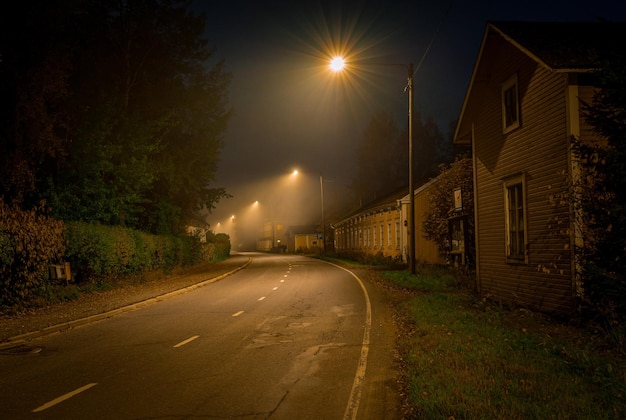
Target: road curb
[(22, 339)]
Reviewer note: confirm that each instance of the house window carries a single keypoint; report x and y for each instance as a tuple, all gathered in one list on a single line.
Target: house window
[(397, 234), (389, 235), (515, 219), (382, 235), (510, 105), (374, 233)]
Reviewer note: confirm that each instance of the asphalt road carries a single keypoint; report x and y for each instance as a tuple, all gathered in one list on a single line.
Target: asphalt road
[(288, 337)]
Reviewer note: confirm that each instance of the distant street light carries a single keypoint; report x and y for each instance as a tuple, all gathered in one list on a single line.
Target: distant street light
[(295, 172), (276, 226), (337, 64)]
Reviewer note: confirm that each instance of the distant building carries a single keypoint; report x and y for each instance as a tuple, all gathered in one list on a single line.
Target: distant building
[(197, 228), (303, 239), (426, 251), (273, 236)]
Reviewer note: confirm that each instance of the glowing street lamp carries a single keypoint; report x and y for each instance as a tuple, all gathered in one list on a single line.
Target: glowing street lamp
[(294, 173), (273, 204), (337, 64)]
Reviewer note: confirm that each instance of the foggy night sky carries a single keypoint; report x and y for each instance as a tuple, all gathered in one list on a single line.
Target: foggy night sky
[(292, 112)]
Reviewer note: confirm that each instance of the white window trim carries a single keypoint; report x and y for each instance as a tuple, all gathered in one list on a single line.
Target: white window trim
[(512, 81), (509, 182)]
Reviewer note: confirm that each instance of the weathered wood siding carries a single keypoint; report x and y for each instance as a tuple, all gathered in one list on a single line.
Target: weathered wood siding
[(538, 150)]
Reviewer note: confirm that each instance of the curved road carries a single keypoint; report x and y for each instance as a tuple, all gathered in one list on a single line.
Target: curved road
[(288, 337)]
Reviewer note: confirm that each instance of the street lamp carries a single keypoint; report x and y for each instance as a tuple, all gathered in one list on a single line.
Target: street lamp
[(295, 172), (274, 203), (323, 222), (337, 64)]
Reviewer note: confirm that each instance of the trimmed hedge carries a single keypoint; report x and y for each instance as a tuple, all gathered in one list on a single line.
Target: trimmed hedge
[(219, 245), (96, 251), (30, 241)]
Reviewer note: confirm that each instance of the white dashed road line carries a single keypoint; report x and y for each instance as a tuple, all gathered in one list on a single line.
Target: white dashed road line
[(63, 398), (189, 340)]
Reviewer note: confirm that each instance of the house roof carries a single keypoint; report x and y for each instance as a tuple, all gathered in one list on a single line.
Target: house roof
[(558, 46), (563, 45), (391, 201), (386, 202)]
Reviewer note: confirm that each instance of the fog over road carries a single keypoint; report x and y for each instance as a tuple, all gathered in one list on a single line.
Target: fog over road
[(288, 337)]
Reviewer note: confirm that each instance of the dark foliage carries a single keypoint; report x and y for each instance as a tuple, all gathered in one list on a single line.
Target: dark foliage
[(113, 112), (458, 174), (602, 192), (382, 156)]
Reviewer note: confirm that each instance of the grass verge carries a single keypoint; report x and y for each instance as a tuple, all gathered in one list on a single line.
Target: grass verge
[(469, 359)]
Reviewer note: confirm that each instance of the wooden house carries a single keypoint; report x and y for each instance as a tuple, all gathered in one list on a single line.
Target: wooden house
[(520, 112)]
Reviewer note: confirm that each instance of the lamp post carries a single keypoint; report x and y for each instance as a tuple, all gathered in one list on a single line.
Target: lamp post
[(323, 221), (411, 191), (337, 64), (273, 229)]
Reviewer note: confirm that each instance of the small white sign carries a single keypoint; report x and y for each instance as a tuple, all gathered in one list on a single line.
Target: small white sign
[(458, 201)]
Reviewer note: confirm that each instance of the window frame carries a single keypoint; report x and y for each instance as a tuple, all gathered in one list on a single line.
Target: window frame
[(511, 184), (510, 83), (398, 233), (374, 235)]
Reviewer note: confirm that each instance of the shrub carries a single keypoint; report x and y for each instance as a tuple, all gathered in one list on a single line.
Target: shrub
[(456, 175), (96, 251), (29, 242), (220, 246)]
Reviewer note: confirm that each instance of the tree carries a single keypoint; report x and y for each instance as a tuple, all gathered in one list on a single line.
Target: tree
[(35, 69), (426, 141), (458, 174), (602, 187), (141, 119), (381, 156)]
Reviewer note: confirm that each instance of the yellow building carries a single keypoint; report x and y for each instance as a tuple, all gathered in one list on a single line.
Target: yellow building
[(381, 228)]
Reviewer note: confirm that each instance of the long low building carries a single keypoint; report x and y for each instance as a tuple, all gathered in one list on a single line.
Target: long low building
[(381, 228)]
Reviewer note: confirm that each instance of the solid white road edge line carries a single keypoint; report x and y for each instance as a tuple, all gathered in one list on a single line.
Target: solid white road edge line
[(63, 398), (355, 394)]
